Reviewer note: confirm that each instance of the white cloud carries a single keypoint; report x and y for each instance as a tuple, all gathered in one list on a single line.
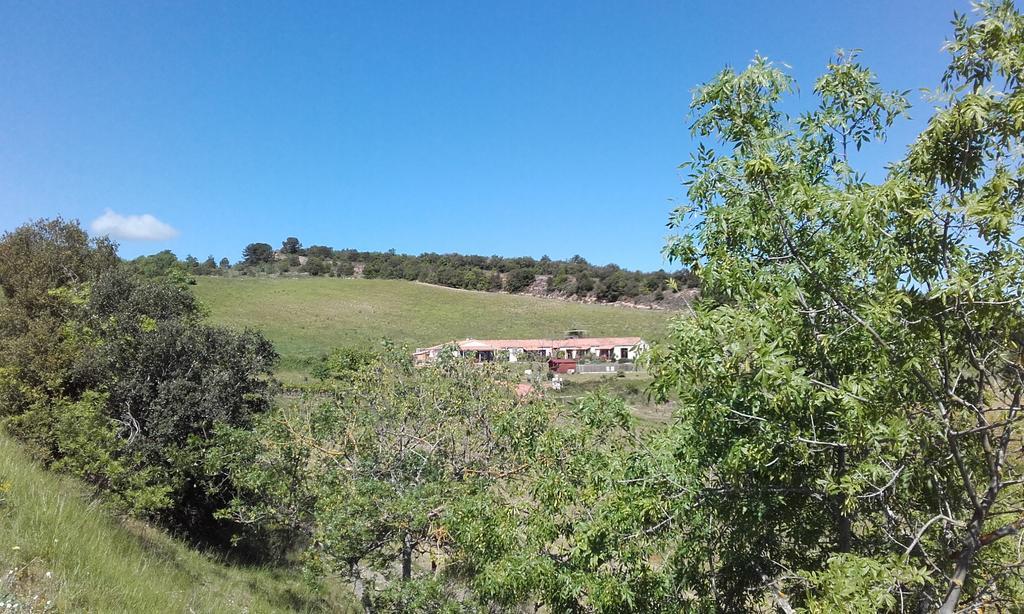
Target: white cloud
[(143, 227)]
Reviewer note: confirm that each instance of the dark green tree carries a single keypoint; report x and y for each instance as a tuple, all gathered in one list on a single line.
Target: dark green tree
[(47, 254), (345, 269), (256, 253), (161, 264), (320, 251)]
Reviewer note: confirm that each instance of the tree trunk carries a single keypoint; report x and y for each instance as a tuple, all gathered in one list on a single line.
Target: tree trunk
[(359, 588), (963, 569), (407, 557)]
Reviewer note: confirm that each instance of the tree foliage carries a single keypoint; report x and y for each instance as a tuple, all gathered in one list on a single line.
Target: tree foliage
[(291, 245), (373, 476), (47, 254), (257, 253), (470, 272), (113, 376), (849, 407)]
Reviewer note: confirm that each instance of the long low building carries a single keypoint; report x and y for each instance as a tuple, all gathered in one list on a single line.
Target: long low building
[(598, 348)]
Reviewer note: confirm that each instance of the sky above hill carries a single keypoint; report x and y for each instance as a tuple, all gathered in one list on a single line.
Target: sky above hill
[(511, 128)]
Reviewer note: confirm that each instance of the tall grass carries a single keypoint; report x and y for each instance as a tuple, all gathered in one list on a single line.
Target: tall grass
[(61, 551)]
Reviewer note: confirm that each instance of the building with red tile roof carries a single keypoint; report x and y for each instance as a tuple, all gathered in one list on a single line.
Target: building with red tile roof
[(597, 348)]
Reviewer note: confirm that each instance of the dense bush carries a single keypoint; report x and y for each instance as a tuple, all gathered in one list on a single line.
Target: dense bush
[(48, 254), (320, 251), (519, 280), (616, 286), (344, 269), (315, 266), (113, 376), (162, 264), (342, 363), (584, 285)]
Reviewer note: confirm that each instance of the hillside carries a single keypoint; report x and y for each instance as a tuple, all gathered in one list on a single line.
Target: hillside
[(306, 317), (573, 280), (60, 551)]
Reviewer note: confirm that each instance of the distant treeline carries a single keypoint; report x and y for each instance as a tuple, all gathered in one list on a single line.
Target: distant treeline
[(571, 278)]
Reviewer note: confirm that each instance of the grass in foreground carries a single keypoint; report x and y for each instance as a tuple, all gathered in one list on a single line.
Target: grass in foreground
[(59, 551), (306, 317)]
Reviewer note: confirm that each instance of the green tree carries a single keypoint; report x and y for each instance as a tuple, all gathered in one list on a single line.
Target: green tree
[(616, 286), (849, 401), (161, 264), (342, 363), (315, 266), (848, 390), (584, 285), (519, 280), (374, 475), (291, 245), (345, 269), (256, 253), (207, 267), (494, 282), (320, 251), (47, 254), (560, 282), (39, 263), (581, 528)]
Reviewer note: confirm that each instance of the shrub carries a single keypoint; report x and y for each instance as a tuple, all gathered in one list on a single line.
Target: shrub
[(345, 269), (584, 285), (315, 266), (114, 377), (342, 363), (519, 280)]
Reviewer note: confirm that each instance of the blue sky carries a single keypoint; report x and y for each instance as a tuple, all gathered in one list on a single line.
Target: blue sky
[(512, 128)]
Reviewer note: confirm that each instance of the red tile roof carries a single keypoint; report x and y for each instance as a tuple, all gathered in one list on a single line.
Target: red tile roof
[(534, 345)]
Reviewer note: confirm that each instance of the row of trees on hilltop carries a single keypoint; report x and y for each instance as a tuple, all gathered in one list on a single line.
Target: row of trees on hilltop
[(573, 277), (568, 278), (166, 264)]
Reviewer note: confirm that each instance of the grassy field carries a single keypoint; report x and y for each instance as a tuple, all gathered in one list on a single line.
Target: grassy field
[(305, 317), (61, 552)]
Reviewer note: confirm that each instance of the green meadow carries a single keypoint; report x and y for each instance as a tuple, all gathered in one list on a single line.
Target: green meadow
[(307, 316)]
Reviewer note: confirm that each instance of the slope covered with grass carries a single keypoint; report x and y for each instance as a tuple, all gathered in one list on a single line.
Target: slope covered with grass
[(60, 551), (308, 316)]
